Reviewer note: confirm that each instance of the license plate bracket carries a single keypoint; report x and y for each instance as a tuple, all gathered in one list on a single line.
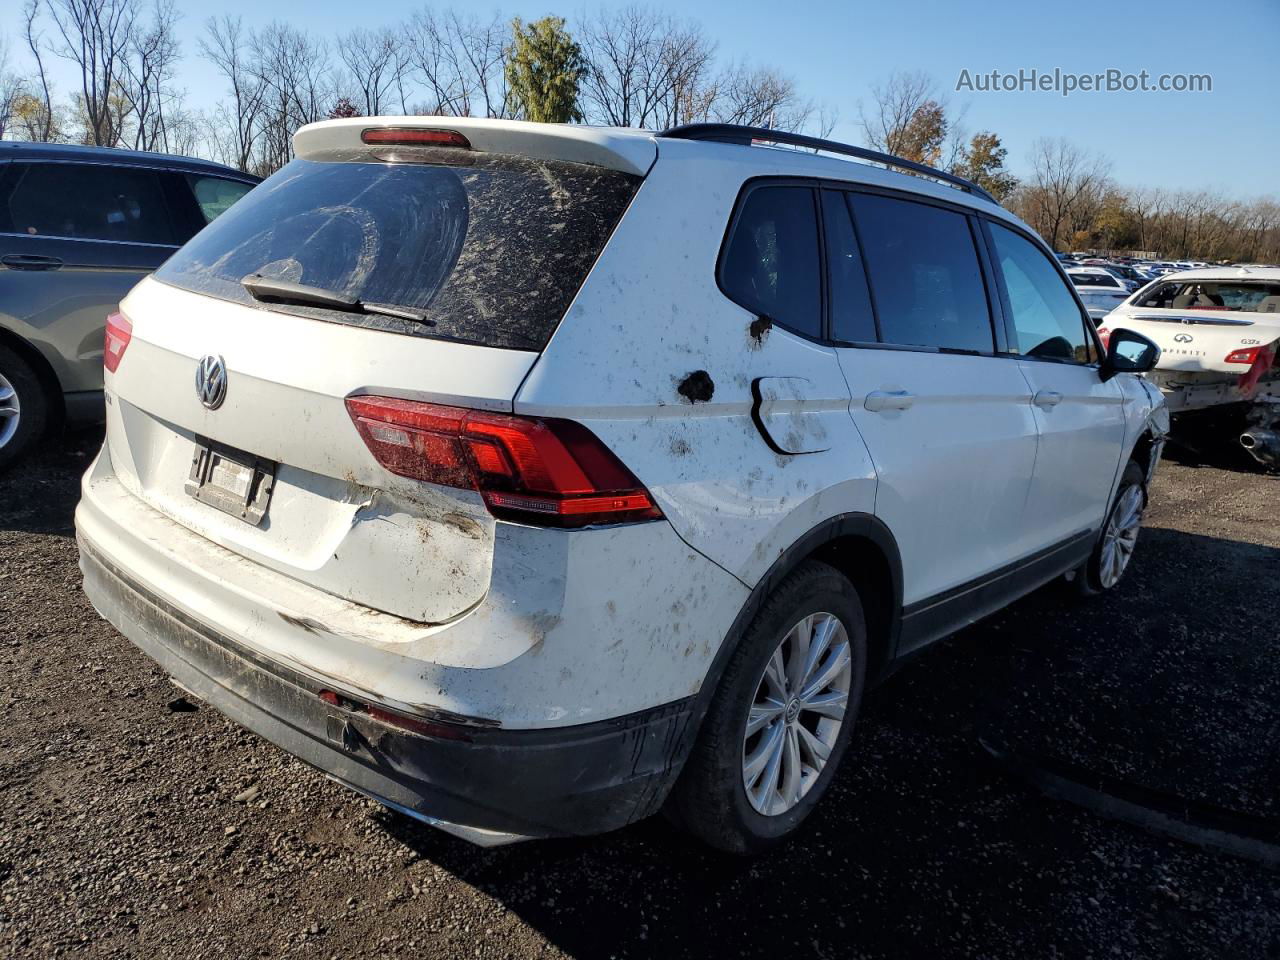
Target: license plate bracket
[(231, 480)]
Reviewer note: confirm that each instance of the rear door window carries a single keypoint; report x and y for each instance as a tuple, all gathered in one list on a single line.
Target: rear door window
[(491, 248), (770, 265), (925, 275), (215, 195), (1046, 318), (852, 319), (84, 201)]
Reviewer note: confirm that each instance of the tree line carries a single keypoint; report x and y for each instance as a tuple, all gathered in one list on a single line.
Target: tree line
[(628, 67), (631, 67), (1072, 201)]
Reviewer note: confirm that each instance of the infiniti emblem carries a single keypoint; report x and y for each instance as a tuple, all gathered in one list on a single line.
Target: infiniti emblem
[(211, 381), (1184, 338)]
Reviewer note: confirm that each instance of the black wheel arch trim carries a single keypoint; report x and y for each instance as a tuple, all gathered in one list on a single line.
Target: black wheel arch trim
[(863, 525), (833, 528), (44, 371)]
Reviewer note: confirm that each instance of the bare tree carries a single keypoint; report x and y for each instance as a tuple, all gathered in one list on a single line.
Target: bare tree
[(298, 89), (758, 97), (1258, 221), (147, 85), (483, 50), (431, 54), (460, 61), (375, 62), (897, 110), (12, 90), (184, 132), (1145, 205), (237, 127), (1064, 182), (645, 69), (38, 119), (97, 36)]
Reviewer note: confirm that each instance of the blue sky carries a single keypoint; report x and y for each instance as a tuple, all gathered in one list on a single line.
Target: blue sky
[(837, 50)]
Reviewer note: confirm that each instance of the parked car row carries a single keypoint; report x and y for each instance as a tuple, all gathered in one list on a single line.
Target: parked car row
[(79, 226), (535, 478)]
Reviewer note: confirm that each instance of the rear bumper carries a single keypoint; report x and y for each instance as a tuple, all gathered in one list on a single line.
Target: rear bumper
[(84, 407), (494, 787), (1200, 391)]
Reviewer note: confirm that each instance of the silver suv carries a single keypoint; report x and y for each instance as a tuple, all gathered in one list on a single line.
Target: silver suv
[(79, 226)]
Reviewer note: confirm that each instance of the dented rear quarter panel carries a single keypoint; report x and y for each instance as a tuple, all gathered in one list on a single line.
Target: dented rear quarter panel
[(651, 315)]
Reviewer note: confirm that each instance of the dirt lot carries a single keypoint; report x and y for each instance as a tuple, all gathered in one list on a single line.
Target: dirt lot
[(130, 829)]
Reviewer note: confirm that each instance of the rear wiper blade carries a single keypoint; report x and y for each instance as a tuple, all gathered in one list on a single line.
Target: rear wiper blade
[(277, 290)]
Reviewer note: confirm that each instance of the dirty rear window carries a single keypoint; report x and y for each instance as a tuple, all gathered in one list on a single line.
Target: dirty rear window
[(491, 248)]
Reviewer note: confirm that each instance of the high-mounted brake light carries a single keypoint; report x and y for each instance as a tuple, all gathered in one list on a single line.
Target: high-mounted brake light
[(1247, 356), (115, 341), (532, 469), (414, 137)]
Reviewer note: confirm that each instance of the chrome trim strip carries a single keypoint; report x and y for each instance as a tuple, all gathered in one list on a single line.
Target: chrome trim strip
[(1194, 321), (118, 243)]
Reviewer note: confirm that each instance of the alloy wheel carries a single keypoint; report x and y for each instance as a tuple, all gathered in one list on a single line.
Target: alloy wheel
[(1121, 536), (10, 411), (796, 714)]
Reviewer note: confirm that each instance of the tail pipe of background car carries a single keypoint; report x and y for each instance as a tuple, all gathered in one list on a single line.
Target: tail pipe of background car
[(1263, 445)]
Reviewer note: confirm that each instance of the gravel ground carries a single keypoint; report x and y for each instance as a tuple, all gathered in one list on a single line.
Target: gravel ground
[(1194, 629), (130, 828)]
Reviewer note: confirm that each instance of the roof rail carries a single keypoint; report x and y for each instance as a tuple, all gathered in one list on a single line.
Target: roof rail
[(745, 136)]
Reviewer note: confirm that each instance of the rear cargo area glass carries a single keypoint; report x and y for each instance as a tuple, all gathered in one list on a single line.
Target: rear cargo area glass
[(491, 248)]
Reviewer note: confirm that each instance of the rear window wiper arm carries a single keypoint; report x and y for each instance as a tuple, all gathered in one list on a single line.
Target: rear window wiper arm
[(277, 290)]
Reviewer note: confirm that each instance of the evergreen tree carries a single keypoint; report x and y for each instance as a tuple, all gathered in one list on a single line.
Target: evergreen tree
[(544, 69)]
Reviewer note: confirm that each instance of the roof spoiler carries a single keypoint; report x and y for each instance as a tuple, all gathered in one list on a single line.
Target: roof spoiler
[(629, 151)]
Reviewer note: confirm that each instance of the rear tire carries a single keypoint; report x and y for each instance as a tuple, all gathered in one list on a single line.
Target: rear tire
[(1107, 564), (802, 659), (24, 407)]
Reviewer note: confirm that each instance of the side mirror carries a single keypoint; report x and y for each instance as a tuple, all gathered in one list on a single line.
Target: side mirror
[(1129, 352)]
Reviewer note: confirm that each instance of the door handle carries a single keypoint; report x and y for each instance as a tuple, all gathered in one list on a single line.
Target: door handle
[(27, 261), (1044, 399), (881, 400)]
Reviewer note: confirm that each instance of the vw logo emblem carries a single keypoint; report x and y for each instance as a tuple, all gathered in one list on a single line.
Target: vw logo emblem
[(211, 381), (1183, 338)]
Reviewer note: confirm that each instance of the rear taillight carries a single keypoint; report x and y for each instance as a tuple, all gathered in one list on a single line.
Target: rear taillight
[(531, 469), (1105, 336), (414, 137), (115, 341), (1247, 356)]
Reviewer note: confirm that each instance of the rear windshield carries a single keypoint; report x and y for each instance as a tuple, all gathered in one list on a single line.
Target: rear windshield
[(1097, 295), (491, 248), (1093, 280), (1238, 296)]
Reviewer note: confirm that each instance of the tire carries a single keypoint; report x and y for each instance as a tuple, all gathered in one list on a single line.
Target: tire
[(711, 799), (1093, 576), (24, 406)]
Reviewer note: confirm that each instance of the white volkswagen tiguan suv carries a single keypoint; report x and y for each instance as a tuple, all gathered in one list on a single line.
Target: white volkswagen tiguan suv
[(533, 478)]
